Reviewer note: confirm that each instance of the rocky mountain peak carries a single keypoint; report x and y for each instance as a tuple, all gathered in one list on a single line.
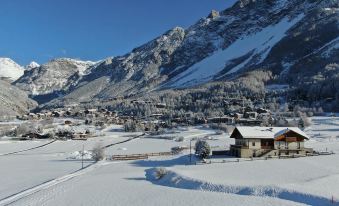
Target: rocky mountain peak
[(32, 65), (214, 14), (53, 76)]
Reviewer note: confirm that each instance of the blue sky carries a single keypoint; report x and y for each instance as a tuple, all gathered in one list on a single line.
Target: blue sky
[(40, 30)]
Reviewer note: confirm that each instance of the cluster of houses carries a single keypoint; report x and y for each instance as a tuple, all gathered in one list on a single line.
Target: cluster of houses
[(247, 116), (251, 140), (68, 112)]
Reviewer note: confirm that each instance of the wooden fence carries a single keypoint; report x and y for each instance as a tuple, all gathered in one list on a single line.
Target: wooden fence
[(129, 157), (140, 156)]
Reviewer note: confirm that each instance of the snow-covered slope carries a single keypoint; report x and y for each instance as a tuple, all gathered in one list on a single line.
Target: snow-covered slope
[(263, 34), (9, 69), (54, 179), (13, 101), (252, 46)]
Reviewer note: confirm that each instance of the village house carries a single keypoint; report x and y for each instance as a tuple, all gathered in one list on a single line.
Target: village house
[(251, 115), (160, 105), (221, 119), (268, 142), (248, 122), (90, 111)]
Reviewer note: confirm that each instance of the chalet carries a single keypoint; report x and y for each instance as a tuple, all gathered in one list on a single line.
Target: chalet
[(156, 115), (80, 136), (263, 111), (68, 112), (268, 142), (221, 119), (238, 116), (41, 115), (33, 135), (57, 114), (49, 114), (33, 116), (23, 117), (252, 115), (138, 102), (160, 105), (90, 111), (68, 122), (248, 122)]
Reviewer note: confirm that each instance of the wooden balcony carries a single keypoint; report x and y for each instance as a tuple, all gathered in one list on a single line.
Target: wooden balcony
[(239, 146), (267, 147)]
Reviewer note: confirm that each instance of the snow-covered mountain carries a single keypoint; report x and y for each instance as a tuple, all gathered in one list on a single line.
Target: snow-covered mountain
[(53, 77), (10, 70), (32, 65), (293, 39), (13, 101)]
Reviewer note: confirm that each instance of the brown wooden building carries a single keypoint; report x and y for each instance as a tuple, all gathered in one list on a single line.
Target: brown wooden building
[(268, 141)]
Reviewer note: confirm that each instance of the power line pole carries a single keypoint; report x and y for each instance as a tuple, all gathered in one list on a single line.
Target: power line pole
[(190, 150), (82, 157)]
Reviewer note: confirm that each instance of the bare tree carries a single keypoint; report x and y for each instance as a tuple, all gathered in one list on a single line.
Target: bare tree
[(98, 152)]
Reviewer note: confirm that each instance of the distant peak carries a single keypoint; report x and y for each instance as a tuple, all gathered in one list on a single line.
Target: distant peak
[(214, 14), (178, 28), (32, 65), (7, 60), (10, 69)]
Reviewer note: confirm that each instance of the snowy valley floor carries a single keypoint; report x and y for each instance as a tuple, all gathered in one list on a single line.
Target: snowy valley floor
[(49, 175)]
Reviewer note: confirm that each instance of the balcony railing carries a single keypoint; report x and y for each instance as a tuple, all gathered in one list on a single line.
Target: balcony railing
[(240, 146), (267, 147)]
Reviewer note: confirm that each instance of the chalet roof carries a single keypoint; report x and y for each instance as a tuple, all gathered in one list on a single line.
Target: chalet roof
[(267, 132), (293, 129)]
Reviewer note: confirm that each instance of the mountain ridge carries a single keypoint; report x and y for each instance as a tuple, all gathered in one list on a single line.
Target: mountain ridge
[(273, 36)]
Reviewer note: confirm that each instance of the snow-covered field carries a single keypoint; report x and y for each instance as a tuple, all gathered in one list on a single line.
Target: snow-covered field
[(51, 175)]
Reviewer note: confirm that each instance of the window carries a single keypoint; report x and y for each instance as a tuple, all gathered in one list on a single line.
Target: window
[(253, 144)]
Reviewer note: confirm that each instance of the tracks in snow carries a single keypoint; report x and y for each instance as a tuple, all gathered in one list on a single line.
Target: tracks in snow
[(172, 179), (110, 145), (29, 149), (48, 184), (40, 146)]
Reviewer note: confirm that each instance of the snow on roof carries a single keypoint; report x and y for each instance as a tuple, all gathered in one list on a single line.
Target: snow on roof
[(267, 132), (293, 129)]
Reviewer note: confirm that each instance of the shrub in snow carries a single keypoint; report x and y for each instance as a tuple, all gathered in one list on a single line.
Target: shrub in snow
[(130, 126), (24, 129), (178, 149), (160, 173), (50, 135), (202, 149), (98, 153), (78, 155), (179, 139), (304, 121)]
